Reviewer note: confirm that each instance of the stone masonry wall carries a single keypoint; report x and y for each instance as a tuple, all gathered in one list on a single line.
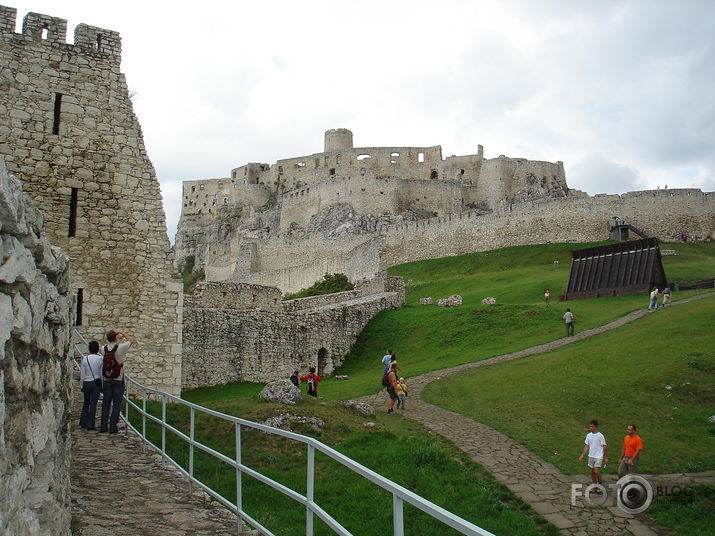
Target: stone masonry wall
[(35, 371), (659, 213), (69, 133), (223, 344)]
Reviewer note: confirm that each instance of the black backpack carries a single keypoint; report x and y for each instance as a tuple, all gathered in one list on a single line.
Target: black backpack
[(385, 380), (111, 368)]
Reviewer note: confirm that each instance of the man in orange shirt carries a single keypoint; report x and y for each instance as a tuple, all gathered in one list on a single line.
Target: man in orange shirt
[(631, 452)]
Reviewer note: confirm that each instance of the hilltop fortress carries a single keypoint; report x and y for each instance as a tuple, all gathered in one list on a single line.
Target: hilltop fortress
[(357, 210)]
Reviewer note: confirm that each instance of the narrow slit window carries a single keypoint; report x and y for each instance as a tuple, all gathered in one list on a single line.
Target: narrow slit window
[(58, 111), (73, 214), (420, 157), (80, 303), (98, 42), (44, 32)]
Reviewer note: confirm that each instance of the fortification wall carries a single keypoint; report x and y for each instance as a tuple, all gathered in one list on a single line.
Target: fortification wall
[(35, 370), (660, 213), (225, 345), (68, 132)]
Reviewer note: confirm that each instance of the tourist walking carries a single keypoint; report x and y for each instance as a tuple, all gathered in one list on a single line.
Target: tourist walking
[(392, 388), (597, 449), (311, 381), (547, 296), (90, 381), (631, 452), (667, 294), (653, 304), (295, 378), (401, 391), (568, 320), (386, 361)]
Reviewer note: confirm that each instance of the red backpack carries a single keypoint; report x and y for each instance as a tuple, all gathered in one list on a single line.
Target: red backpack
[(111, 368)]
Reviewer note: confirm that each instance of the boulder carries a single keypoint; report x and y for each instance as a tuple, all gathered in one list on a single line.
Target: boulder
[(425, 301), (285, 421), (711, 419), (489, 301), (282, 391), (360, 407), (455, 300)]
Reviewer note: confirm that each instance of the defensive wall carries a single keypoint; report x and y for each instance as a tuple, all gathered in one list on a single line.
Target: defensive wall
[(659, 213), (235, 332), (35, 370), (69, 133)]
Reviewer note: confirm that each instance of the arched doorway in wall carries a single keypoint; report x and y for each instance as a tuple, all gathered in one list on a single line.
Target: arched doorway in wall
[(323, 361)]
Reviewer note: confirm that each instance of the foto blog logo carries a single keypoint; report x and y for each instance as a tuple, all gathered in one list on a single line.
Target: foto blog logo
[(633, 494)]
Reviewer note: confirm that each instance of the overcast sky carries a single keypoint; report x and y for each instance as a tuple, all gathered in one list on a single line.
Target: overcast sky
[(620, 91)]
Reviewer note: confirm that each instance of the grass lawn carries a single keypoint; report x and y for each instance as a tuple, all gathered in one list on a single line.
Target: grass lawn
[(657, 372), (690, 512)]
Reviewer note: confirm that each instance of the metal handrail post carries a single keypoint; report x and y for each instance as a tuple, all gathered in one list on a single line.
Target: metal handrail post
[(144, 419), (191, 449), (163, 427), (127, 383), (239, 480), (309, 491), (398, 519)]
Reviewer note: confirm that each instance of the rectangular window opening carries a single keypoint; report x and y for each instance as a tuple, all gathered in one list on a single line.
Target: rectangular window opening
[(98, 43), (420, 157), (58, 111), (44, 32), (80, 303), (73, 214)]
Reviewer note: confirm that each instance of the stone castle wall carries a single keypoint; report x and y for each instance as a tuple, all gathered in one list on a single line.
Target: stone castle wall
[(659, 213), (69, 133), (223, 343), (35, 371)]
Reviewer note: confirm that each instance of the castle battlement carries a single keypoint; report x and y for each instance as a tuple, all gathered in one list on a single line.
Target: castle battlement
[(52, 32)]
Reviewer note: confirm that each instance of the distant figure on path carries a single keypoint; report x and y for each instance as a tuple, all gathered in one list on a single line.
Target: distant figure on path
[(392, 388), (90, 380), (401, 391), (667, 294), (568, 320), (386, 361), (113, 379), (631, 452), (595, 446), (295, 378), (653, 299), (547, 296), (311, 379)]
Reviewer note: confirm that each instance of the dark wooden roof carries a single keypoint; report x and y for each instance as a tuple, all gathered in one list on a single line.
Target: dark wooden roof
[(615, 270)]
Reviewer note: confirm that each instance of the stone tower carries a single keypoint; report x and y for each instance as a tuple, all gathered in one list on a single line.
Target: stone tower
[(338, 139), (69, 133)]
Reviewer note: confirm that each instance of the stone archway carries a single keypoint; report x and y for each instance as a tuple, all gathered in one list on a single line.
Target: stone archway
[(323, 361)]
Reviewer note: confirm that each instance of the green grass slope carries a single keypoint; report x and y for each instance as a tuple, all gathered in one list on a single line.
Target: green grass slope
[(657, 372)]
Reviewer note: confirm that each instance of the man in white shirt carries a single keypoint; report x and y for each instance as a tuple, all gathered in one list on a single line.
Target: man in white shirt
[(595, 445), (113, 389), (90, 381), (568, 320)]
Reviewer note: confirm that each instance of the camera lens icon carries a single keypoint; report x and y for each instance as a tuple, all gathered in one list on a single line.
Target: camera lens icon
[(633, 494)]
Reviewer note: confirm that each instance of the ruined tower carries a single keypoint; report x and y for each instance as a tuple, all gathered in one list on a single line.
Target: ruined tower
[(69, 133), (338, 139)]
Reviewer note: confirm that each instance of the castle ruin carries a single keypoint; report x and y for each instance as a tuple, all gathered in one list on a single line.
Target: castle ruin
[(68, 132)]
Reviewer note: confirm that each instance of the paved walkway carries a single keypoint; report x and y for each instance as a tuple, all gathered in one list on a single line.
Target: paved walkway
[(120, 489), (537, 482)]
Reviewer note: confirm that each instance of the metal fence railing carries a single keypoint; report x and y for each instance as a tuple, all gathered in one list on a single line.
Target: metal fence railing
[(136, 397)]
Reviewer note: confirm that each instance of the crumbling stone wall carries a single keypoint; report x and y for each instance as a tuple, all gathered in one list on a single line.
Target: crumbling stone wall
[(35, 371), (659, 213), (68, 132), (223, 343)]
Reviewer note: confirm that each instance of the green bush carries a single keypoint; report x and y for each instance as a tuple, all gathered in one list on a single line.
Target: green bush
[(330, 284)]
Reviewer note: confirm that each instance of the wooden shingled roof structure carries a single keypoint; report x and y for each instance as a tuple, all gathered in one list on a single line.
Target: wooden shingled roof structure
[(616, 270)]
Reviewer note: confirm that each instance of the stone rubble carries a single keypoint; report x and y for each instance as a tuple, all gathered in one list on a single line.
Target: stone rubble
[(281, 391)]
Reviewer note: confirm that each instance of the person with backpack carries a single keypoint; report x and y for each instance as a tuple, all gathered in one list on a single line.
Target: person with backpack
[(90, 380), (311, 381), (113, 379)]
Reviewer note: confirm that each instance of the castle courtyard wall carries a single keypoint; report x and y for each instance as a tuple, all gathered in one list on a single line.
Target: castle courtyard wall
[(658, 213), (69, 133), (224, 344)]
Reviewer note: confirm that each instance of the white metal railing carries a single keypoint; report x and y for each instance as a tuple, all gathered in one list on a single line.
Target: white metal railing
[(400, 495)]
